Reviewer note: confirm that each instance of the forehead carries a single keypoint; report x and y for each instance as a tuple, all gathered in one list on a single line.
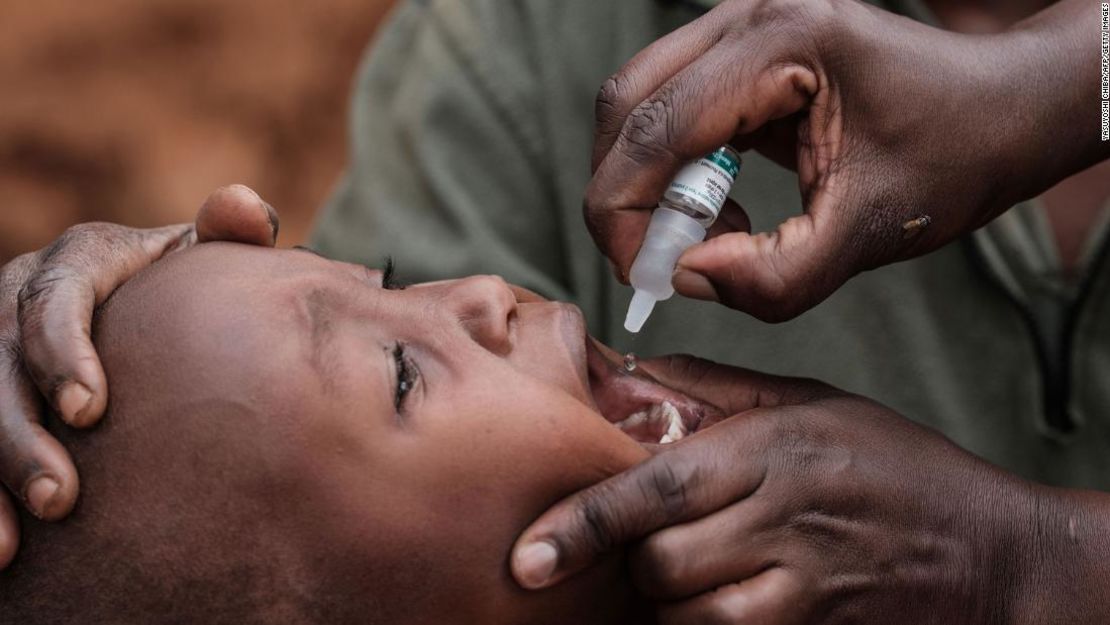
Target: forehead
[(232, 265), (236, 307), (271, 285)]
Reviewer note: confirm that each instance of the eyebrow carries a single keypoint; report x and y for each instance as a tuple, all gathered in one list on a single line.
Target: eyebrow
[(319, 305), (321, 322)]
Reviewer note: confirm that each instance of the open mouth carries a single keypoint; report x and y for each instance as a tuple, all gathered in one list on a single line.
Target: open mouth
[(645, 409)]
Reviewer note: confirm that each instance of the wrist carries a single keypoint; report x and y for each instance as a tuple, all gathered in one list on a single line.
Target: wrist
[(1060, 573), (1048, 77)]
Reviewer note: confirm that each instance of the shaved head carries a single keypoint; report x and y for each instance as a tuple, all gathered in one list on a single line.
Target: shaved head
[(262, 462), (180, 516)]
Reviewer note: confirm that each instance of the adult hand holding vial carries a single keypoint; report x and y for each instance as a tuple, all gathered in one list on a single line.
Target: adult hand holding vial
[(690, 205), (904, 137)]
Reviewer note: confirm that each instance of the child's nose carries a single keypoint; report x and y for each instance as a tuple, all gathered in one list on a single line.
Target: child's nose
[(484, 306)]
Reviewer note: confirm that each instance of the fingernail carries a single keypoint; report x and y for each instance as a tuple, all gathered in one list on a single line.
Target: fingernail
[(272, 215), (39, 495), (73, 399), (694, 285), (535, 563)]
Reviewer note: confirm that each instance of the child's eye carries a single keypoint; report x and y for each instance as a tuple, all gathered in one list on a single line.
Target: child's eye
[(407, 375)]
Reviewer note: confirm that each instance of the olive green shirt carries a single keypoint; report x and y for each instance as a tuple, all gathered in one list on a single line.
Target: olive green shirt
[(470, 140)]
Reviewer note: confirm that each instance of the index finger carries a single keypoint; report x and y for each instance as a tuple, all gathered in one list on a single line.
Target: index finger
[(701, 108), (690, 479), (84, 266), (732, 389), (78, 272), (642, 75)]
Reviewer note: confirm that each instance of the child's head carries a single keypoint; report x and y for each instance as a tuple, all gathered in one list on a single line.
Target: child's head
[(288, 441)]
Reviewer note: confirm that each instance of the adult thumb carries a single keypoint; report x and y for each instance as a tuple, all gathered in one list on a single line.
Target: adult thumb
[(236, 213), (773, 276)]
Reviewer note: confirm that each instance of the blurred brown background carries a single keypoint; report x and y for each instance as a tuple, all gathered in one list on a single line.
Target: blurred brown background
[(131, 111)]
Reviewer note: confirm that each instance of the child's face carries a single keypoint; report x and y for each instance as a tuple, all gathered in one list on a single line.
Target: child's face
[(401, 438)]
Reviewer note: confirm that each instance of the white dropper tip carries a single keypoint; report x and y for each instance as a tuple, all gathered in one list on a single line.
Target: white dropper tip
[(638, 310)]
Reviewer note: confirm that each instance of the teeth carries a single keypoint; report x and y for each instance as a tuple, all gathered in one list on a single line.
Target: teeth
[(661, 423), (675, 429)]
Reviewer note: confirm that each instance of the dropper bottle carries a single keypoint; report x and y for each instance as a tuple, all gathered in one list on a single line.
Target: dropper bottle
[(690, 205)]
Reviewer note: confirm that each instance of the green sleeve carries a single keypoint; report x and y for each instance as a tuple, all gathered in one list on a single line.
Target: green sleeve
[(447, 170)]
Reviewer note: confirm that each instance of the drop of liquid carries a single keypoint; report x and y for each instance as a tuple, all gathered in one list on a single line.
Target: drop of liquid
[(630, 362)]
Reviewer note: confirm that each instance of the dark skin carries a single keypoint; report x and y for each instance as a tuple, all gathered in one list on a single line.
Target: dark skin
[(626, 508), (812, 505), (1075, 205), (260, 441), (885, 119), (730, 525), (46, 302), (856, 95)]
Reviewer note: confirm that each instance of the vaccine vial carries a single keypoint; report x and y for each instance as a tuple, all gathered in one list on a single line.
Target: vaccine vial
[(689, 206)]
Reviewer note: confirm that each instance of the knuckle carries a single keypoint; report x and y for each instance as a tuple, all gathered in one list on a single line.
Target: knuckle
[(81, 243), (597, 529), (40, 287), (72, 239), (598, 206), (13, 275), (600, 212), (659, 499), (666, 486), (648, 134), (76, 236), (99, 229), (611, 100)]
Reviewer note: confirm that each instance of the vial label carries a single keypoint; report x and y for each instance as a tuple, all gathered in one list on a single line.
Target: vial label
[(708, 179)]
